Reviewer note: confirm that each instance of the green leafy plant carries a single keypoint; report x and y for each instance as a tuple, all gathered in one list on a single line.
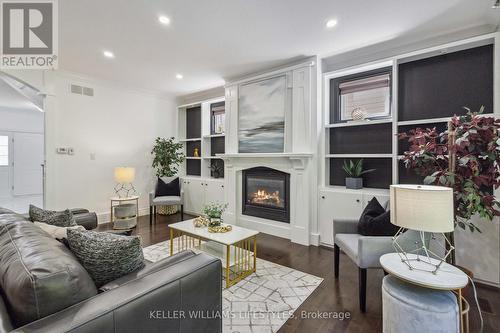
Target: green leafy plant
[(167, 156), (214, 210), (466, 159), (355, 169), (216, 169)]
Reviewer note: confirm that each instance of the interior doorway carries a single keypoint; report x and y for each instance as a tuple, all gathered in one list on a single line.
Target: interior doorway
[(22, 152)]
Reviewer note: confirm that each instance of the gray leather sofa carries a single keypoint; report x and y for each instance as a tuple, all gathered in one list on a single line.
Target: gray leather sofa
[(45, 289)]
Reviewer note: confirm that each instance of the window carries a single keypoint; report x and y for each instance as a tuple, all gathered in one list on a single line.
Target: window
[(370, 95), (4, 150)]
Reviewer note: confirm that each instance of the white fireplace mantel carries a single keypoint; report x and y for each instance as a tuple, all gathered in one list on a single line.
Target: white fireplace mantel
[(298, 160)]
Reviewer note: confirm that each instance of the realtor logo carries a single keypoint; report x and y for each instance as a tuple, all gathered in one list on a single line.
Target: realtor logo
[(29, 34)]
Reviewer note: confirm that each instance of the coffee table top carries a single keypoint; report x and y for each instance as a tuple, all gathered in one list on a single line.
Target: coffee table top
[(227, 238), (448, 277)]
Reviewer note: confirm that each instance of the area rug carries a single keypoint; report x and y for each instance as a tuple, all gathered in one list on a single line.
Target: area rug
[(263, 301)]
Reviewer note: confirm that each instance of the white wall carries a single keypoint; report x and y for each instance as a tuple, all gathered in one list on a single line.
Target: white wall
[(117, 124), (21, 120)]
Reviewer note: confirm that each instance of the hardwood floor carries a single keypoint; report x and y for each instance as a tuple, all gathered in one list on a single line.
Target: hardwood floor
[(332, 295)]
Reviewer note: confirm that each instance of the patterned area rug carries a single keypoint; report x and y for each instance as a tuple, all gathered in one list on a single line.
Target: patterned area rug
[(263, 301)]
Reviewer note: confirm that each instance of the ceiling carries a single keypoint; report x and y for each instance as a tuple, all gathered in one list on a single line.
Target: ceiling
[(212, 40)]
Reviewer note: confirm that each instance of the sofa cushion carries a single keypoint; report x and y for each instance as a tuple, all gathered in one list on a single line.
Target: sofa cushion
[(59, 219), (56, 232), (38, 275), (104, 255)]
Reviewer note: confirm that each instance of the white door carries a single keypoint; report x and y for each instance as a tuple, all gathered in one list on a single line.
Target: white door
[(28, 160), (194, 195), (5, 166), (214, 192)]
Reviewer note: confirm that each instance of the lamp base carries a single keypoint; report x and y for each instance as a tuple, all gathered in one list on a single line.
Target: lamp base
[(421, 257), (125, 190)]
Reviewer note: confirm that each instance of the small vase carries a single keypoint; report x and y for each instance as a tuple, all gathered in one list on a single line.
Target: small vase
[(354, 183), (215, 222)]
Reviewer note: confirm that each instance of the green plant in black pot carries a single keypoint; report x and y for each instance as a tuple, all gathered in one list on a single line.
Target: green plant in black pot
[(354, 170), (216, 169)]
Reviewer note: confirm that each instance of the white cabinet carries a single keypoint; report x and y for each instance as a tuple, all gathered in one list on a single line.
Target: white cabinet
[(200, 191), (341, 203)]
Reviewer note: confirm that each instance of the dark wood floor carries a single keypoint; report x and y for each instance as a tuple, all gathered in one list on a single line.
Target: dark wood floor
[(332, 295)]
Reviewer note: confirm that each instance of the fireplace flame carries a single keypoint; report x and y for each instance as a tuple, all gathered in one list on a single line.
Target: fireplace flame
[(266, 198)]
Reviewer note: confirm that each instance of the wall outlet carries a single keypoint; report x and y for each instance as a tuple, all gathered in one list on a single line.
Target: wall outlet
[(62, 150)]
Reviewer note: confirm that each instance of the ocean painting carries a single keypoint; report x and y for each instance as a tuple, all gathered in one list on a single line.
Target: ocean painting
[(261, 116)]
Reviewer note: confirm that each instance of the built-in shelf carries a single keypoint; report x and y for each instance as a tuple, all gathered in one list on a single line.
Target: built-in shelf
[(193, 158), (338, 188), (358, 156), (359, 123), (188, 140), (214, 135), (211, 158), (433, 120), (265, 155)]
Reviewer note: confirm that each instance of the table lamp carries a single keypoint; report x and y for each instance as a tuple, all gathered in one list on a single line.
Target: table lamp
[(422, 208), (124, 176)]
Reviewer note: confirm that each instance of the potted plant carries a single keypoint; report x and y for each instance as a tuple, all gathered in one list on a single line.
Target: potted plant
[(167, 156), (466, 157), (214, 212), (216, 170), (354, 170)]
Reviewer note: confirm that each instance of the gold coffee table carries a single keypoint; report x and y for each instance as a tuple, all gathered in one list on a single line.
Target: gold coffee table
[(237, 249)]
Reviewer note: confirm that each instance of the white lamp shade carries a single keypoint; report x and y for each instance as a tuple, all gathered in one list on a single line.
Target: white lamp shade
[(422, 207), (124, 175)]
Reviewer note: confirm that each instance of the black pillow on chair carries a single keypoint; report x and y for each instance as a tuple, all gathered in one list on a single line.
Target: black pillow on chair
[(171, 189), (375, 221)]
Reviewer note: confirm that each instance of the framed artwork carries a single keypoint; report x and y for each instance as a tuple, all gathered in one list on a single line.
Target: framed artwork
[(261, 116)]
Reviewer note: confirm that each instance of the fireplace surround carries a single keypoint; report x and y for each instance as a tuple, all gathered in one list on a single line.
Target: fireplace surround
[(266, 194)]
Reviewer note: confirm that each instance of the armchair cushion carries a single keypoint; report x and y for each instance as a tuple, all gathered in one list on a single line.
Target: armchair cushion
[(376, 221), (171, 188), (166, 201)]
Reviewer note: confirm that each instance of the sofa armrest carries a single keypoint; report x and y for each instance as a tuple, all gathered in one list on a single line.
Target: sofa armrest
[(87, 220), (76, 211), (344, 226), (371, 248), (163, 301)]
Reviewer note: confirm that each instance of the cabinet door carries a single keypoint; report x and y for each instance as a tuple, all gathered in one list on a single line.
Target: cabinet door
[(214, 192), (194, 195), (336, 205)]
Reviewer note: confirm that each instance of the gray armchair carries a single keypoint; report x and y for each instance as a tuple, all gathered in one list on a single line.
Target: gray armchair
[(364, 251), (165, 201)]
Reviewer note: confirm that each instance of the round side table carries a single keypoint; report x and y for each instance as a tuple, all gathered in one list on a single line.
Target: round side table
[(448, 277), (115, 201)]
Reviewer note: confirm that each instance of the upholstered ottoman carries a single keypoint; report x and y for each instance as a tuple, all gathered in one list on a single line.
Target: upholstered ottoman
[(409, 308)]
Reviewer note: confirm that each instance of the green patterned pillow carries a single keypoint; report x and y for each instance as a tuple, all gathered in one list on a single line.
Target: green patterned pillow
[(106, 256), (59, 219)]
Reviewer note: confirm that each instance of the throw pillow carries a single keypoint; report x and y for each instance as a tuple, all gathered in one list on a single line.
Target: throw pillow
[(376, 221), (59, 219), (56, 232), (168, 189), (106, 256)]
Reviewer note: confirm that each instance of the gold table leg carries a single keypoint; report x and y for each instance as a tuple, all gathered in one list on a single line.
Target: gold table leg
[(460, 310), (228, 261), (254, 254), (171, 241)]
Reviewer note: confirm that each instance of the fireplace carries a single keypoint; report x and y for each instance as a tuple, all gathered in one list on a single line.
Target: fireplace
[(266, 194)]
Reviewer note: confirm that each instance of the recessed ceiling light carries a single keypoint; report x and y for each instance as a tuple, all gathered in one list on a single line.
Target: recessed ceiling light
[(331, 23), (108, 54), (164, 20), (179, 76)]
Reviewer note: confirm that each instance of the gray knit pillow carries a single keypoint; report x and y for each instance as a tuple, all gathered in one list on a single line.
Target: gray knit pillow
[(106, 256), (59, 219)]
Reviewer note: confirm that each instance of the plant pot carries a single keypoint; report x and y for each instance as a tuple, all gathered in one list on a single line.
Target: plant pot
[(214, 221), (354, 183), (167, 210)]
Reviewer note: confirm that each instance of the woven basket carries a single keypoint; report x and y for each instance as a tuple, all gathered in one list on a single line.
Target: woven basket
[(167, 210)]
